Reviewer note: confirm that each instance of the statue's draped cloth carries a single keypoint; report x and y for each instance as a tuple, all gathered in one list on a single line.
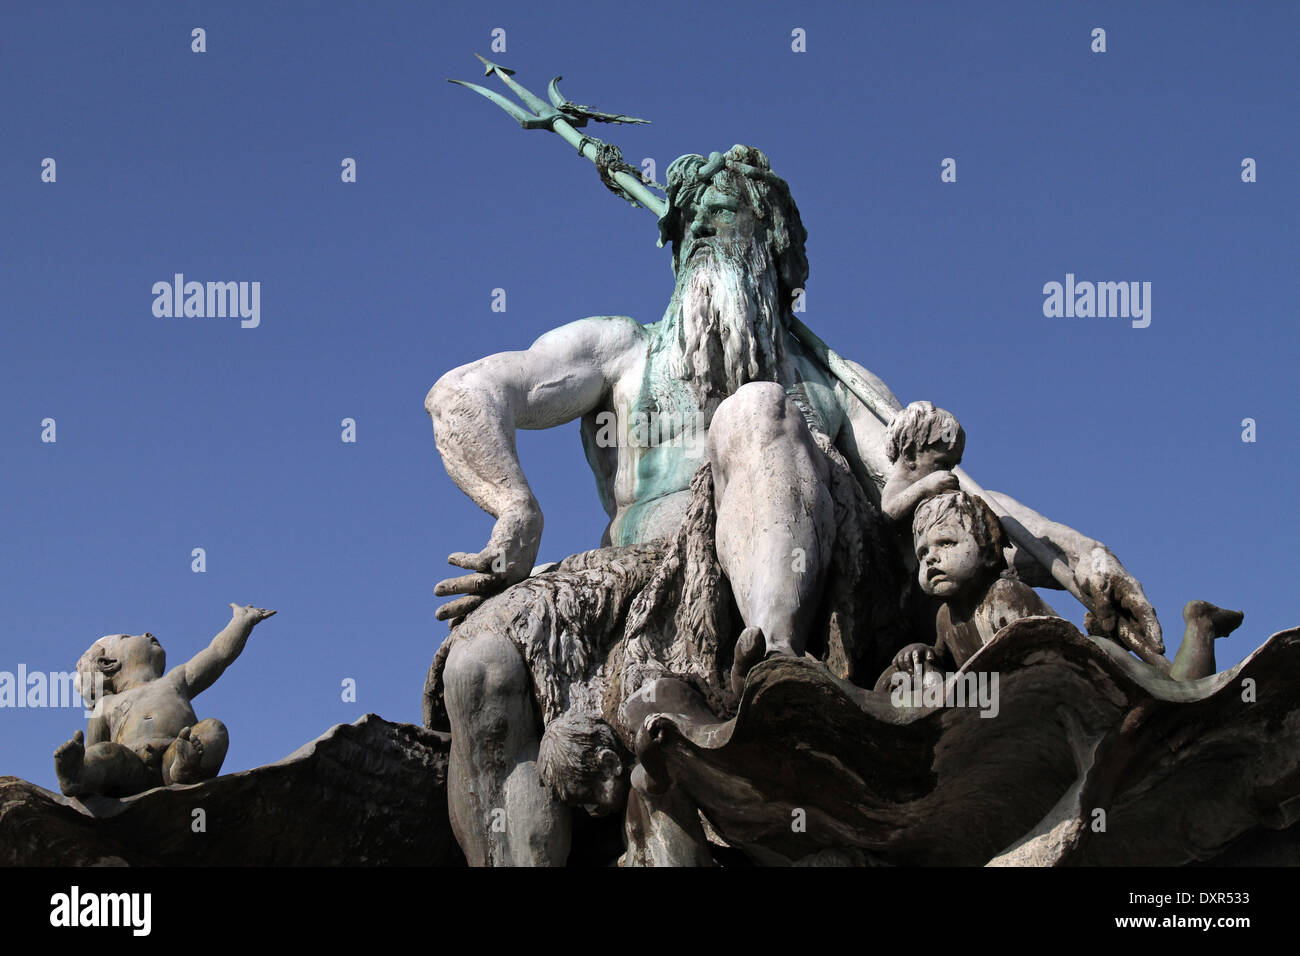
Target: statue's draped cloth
[(603, 623)]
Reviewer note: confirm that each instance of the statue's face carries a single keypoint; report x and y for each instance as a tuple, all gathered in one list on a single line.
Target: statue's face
[(932, 459), (948, 559), (137, 652), (722, 214), (729, 323), (605, 794)]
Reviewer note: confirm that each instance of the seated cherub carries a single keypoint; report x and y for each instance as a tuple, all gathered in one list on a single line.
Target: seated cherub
[(581, 759), (923, 444), (959, 549), (143, 731)]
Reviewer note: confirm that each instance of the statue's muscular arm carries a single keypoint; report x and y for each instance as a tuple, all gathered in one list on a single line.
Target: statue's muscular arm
[(476, 409)]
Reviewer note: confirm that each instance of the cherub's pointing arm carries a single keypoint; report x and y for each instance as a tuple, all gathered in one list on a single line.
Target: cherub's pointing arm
[(203, 669)]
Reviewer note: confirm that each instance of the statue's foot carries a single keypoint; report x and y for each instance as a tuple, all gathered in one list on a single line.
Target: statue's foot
[(1220, 621), (69, 760), (184, 760), (751, 647)]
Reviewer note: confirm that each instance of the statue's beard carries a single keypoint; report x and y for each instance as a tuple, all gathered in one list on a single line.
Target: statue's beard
[(730, 329)]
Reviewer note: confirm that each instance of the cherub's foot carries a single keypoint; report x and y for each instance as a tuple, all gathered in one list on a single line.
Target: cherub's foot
[(69, 760), (1221, 621), (184, 760), (254, 614), (751, 646)]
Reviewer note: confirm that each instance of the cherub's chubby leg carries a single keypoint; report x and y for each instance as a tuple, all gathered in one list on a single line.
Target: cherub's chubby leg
[(501, 812), (103, 768), (1204, 623), (214, 741), (196, 754), (775, 514)]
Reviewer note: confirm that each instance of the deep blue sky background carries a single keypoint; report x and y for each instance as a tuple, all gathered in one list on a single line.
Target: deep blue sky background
[(182, 433)]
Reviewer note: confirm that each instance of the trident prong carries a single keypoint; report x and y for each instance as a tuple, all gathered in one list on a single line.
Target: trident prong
[(542, 116), (586, 112), (565, 118)]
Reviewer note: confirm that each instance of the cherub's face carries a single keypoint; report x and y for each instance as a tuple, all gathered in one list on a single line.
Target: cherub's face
[(948, 558), (606, 794), (136, 653), (929, 460)]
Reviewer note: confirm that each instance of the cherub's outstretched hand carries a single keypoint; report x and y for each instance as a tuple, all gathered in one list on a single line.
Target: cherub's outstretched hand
[(248, 611)]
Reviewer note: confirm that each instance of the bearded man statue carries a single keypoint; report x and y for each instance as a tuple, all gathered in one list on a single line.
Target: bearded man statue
[(742, 482)]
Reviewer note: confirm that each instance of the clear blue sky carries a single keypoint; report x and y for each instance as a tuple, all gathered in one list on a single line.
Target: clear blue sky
[(179, 433)]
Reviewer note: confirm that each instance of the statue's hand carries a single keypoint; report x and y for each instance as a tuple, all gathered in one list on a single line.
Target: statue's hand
[(252, 614), (1121, 610), (507, 559), (938, 483), (914, 657)]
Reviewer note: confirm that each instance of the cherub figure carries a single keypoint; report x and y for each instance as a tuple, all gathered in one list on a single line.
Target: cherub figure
[(143, 731), (581, 759), (959, 551), (923, 445)]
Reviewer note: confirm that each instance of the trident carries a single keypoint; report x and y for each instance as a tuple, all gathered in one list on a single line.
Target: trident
[(565, 118)]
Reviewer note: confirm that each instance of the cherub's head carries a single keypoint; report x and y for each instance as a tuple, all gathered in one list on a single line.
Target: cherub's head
[(925, 438), (959, 541), (119, 658), (580, 758)]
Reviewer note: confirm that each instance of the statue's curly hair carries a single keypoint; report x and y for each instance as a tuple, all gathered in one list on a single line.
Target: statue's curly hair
[(973, 514), (569, 752), (769, 199), (919, 426)]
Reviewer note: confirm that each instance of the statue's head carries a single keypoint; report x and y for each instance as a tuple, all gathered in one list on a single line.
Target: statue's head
[(580, 759), (734, 196), (117, 656), (738, 255), (959, 542), (925, 437)]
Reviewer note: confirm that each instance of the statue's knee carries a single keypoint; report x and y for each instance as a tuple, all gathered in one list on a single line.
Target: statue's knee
[(758, 412), (754, 399), (483, 672)]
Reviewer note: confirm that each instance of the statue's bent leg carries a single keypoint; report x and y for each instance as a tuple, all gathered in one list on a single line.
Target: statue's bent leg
[(114, 771), (775, 512), (501, 812), (214, 740), (196, 754)]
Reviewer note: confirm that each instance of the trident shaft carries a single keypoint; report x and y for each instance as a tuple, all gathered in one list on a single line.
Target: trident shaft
[(562, 117)]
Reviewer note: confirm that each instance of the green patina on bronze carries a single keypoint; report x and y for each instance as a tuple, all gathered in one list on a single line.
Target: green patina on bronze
[(562, 117)]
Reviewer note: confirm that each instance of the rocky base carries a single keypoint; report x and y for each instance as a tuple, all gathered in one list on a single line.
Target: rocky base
[(1092, 759), (362, 794)]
